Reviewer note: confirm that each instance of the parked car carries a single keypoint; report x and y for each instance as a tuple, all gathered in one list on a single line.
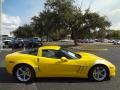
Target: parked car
[(16, 43), (54, 61), (86, 40), (29, 42), (66, 40), (116, 42), (2, 44), (32, 42), (7, 41)]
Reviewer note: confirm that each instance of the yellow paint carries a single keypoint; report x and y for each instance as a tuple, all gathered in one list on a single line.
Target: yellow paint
[(49, 67)]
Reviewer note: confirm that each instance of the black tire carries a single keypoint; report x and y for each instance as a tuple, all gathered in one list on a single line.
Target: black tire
[(92, 77), (29, 68)]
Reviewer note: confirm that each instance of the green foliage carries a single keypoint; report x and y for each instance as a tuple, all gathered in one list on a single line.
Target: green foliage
[(62, 17), (24, 31), (113, 34)]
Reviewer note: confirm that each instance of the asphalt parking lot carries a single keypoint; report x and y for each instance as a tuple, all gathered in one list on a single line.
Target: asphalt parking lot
[(112, 54)]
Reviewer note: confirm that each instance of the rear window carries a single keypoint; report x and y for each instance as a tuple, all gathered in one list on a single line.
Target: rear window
[(30, 51)]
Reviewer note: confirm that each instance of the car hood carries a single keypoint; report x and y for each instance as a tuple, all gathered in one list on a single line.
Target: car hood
[(93, 59)]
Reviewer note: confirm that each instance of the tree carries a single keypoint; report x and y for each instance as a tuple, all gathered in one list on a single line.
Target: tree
[(24, 31), (93, 23), (37, 26), (62, 17), (67, 16), (75, 23), (113, 34), (61, 11)]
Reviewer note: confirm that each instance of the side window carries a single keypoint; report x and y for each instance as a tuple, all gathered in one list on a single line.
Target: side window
[(49, 53), (60, 54), (54, 54), (30, 51), (34, 52)]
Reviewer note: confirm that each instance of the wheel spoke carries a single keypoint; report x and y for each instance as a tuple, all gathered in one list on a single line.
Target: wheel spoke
[(98, 76), (102, 71), (20, 69), (24, 77), (21, 74), (28, 72), (102, 74)]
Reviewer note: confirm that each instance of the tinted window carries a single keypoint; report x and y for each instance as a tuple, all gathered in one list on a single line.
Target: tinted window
[(54, 54), (30, 51), (59, 53)]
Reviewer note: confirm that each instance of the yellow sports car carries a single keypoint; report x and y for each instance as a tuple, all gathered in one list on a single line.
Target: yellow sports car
[(54, 61)]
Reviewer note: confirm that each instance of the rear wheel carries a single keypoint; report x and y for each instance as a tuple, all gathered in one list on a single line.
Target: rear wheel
[(99, 73), (24, 73)]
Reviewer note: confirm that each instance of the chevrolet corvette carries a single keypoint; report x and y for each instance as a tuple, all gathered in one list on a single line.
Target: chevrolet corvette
[(55, 61)]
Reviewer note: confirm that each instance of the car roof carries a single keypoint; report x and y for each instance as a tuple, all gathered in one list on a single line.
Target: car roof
[(54, 47)]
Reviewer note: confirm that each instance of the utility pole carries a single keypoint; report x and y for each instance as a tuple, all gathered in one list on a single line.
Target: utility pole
[(1, 44)]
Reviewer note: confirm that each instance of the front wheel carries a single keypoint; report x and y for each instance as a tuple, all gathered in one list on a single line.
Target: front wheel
[(99, 73), (24, 73)]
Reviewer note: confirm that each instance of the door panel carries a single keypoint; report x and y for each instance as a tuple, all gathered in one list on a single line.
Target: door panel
[(55, 67)]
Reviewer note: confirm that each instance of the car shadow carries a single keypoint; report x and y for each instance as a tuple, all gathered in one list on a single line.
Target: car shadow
[(6, 78), (62, 80)]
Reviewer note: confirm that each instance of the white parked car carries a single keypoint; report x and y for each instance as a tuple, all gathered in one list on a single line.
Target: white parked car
[(6, 42), (117, 42)]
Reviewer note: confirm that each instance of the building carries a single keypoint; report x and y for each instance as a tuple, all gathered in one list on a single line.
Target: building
[(4, 37)]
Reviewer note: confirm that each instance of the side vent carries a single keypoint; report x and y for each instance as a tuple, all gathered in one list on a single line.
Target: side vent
[(38, 60), (82, 69)]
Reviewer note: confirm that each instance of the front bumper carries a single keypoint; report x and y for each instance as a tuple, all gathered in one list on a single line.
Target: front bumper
[(112, 71)]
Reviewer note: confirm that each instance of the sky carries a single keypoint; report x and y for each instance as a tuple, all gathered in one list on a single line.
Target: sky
[(19, 12)]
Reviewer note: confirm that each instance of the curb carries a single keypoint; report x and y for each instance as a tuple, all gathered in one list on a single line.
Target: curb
[(94, 49), (91, 49), (5, 50)]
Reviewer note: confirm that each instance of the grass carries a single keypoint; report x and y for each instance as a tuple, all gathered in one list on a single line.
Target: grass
[(81, 45)]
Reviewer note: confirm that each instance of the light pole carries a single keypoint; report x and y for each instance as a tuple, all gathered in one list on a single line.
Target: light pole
[(1, 44)]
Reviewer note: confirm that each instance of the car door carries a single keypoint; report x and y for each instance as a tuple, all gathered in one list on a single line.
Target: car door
[(52, 65)]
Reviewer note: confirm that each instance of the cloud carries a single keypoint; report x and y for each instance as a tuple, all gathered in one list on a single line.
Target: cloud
[(114, 17), (10, 23), (96, 5), (109, 8), (2, 1), (116, 26), (115, 12)]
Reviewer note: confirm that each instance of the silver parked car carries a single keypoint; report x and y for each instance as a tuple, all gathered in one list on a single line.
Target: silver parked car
[(117, 42)]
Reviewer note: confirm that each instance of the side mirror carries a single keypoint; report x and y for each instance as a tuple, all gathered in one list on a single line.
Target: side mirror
[(63, 59)]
